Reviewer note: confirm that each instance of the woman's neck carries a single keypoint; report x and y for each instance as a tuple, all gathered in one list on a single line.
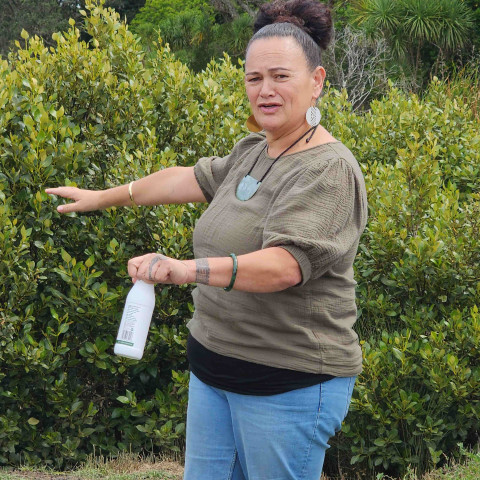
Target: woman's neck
[(277, 144)]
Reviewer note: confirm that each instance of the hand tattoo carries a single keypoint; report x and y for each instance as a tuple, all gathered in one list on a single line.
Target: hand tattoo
[(154, 260), (202, 271)]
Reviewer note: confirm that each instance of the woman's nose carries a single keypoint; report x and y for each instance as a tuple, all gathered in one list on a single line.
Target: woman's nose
[(267, 89)]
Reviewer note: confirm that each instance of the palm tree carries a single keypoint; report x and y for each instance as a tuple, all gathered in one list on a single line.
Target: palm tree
[(457, 24), (411, 27)]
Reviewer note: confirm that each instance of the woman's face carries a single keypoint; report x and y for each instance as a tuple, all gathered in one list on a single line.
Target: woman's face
[(280, 85)]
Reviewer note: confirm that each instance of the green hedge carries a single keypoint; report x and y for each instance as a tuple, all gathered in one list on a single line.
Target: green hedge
[(103, 113)]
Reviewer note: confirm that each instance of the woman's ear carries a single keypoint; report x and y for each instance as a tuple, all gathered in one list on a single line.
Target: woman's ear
[(319, 75)]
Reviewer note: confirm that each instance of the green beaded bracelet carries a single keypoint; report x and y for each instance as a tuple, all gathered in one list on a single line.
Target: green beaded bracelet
[(234, 273)]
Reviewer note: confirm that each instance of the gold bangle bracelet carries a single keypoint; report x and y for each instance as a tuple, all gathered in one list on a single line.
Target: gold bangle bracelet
[(130, 185)]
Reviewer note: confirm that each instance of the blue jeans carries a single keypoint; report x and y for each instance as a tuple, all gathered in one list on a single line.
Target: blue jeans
[(275, 437)]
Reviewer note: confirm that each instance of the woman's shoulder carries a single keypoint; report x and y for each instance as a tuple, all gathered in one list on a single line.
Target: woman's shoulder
[(332, 154), (251, 140), (344, 154)]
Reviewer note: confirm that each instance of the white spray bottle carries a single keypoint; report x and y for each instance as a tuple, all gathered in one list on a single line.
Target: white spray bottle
[(136, 319)]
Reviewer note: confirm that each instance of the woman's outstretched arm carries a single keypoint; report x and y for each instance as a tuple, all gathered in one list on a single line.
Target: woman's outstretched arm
[(171, 185)]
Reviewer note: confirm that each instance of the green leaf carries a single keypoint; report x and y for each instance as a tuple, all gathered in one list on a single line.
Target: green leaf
[(65, 256), (398, 354), (64, 328)]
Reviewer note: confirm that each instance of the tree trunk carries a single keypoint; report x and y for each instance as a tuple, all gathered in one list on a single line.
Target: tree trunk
[(418, 59)]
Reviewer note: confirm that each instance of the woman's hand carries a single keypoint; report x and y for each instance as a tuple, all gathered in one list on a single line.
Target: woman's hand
[(156, 268), (84, 200)]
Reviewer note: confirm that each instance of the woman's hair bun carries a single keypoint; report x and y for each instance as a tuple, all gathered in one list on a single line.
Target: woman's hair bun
[(313, 17)]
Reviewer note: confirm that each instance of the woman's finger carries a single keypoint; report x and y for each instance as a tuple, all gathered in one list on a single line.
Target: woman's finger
[(154, 265), (137, 266), (83, 200), (64, 192), (132, 266), (68, 207)]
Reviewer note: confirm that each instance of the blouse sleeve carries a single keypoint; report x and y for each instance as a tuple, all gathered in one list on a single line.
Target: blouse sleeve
[(210, 172), (320, 217)]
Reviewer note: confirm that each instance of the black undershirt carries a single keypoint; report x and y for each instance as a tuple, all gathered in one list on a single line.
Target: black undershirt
[(247, 378)]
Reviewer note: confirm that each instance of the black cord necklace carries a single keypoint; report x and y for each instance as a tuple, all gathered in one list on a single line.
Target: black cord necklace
[(248, 186)]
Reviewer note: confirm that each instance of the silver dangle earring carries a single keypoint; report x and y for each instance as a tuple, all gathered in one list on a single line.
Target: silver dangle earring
[(313, 116)]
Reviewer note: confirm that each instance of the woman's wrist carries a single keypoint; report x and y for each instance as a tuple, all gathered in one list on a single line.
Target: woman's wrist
[(101, 201), (198, 270), (202, 271), (114, 197), (216, 272)]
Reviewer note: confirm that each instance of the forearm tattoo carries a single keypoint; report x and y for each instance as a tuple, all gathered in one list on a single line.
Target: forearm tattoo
[(202, 271)]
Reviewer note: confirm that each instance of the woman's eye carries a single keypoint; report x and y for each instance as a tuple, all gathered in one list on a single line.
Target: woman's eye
[(253, 79), (282, 77)]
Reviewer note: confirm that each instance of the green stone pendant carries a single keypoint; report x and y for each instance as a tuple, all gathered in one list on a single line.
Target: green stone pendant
[(247, 188)]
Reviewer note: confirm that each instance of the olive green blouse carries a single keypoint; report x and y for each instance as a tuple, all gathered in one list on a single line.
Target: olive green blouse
[(313, 204)]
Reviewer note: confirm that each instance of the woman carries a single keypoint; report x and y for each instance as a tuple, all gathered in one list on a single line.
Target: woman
[(273, 355)]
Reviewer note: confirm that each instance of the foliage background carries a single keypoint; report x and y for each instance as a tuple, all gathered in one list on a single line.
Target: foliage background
[(45, 17), (422, 38), (101, 113)]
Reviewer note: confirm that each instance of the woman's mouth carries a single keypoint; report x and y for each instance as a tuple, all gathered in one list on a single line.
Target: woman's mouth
[(269, 107)]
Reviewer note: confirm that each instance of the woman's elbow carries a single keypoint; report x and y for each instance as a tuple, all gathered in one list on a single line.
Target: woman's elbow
[(289, 271), (290, 277), (296, 277)]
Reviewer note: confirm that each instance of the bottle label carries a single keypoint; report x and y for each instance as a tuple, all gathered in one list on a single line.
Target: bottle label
[(129, 322)]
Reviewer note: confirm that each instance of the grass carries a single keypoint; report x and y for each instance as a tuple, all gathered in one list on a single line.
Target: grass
[(464, 471), (124, 467), (130, 467)]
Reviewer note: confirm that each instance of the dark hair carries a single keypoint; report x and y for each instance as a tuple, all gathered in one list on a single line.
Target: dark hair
[(309, 22)]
